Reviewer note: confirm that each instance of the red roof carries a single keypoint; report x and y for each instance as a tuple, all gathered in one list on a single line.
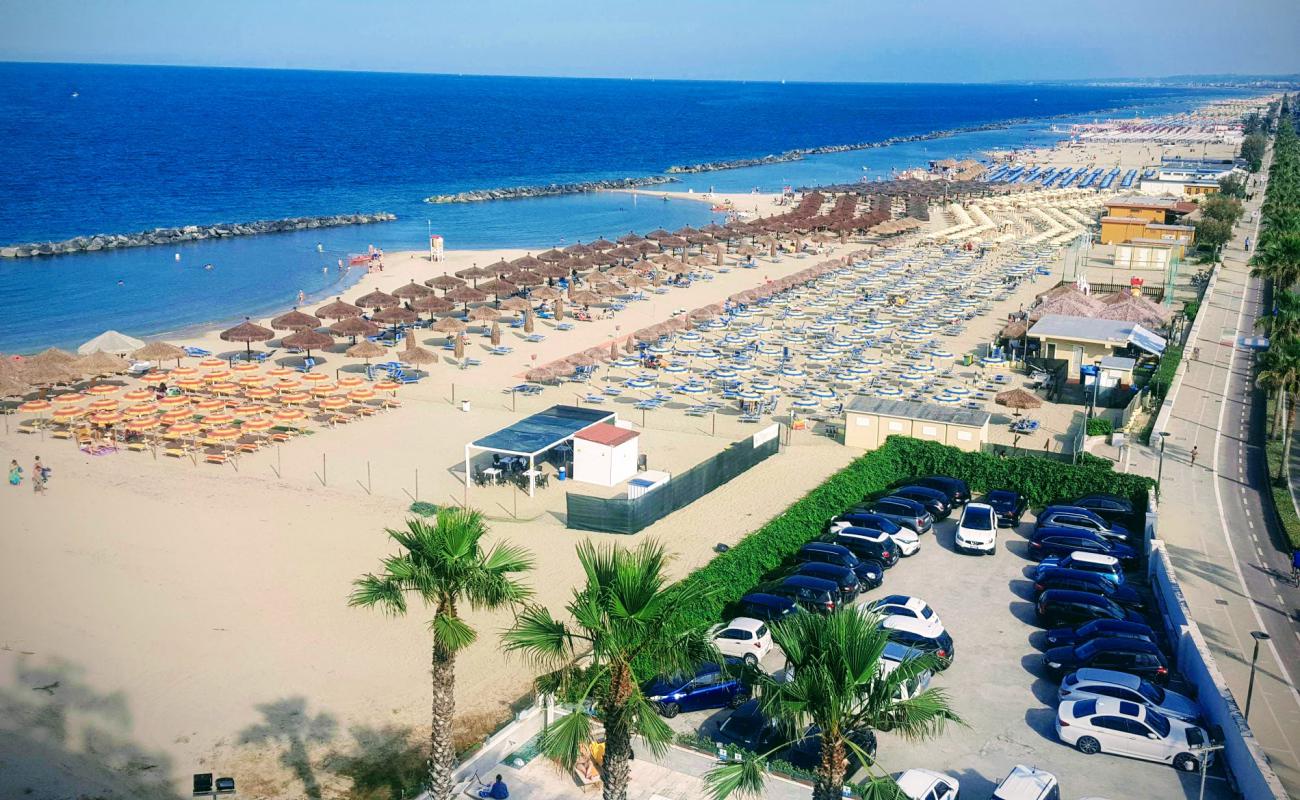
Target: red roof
[(606, 434)]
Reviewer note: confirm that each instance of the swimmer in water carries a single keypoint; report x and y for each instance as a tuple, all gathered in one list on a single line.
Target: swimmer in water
[(207, 266), (121, 282)]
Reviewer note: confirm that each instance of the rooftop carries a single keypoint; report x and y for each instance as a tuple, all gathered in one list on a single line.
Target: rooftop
[(606, 434), (1138, 201), (1116, 333), (542, 430), (908, 409)]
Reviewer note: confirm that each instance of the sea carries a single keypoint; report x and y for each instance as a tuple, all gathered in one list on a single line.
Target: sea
[(88, 149)]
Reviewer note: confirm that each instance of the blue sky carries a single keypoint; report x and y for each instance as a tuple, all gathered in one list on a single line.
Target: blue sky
[(836, 40)]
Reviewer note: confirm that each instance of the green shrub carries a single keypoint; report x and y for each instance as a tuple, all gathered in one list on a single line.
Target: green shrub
[(1191, 308), (1088, 459), (1100, 426), (1164, 376), (423, 509)]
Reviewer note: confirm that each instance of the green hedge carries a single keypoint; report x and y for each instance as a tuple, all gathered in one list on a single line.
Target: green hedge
[(1100, 426), (729, 575), (1280, 491)]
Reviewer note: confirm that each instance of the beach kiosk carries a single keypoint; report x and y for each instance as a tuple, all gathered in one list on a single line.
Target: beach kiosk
[(604, 454), (548, 433)]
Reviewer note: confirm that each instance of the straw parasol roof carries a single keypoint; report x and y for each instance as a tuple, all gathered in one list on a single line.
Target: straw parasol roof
[(1013, 330), (354, 326), (498, 287), (11, 386), (308, 340), (52, 355), (1018, 398), (247, 332), (338, 310), (365, 349), (602, 244), (411, 291), (516, 304), (295, 320), (546, 293), (585, 297), (394, 316), (158, 350), (444, 282), (448, 325), (578, 249), (558, 270), (466, 294), (47, 373), (112, 342), (539, 375), (475, 272), (551, 255), (376, 299), (414, 354), (484, 314), (527, 277), (100, 363), (527, 261)]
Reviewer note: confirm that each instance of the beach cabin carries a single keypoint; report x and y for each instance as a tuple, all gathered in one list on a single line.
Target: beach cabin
[(868, 421), (1086, 340), (605, 454)]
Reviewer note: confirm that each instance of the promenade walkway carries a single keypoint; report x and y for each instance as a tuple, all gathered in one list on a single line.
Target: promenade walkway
[(1230, 558)]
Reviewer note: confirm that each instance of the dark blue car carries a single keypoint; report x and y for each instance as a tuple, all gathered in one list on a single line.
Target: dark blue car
[(1098, 628), (709, 687), (1077, 517), (1010, 506), (1061, 541), (767, 607), (1078, 580)]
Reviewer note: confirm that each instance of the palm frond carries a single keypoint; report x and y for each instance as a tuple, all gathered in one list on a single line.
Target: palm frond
[(372, 590), (563, 739), (540, 637), (451, 632), (880, 788), (744, 777)]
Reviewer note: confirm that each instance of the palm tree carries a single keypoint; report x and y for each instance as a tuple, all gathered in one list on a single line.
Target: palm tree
[(1279, 372), (625, 630), (444, 564), (1283, 321), (1279, 260), (839, 686)]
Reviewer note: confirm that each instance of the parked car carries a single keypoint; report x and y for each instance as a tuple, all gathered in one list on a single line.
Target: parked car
[(1081, 581), (870, 575), (1106, 566), (935, 502), (957, 490), (1054, 541), (1108, 506), (709, 687), (1011, 506), (812, 594), (977, 532), (894, 654), (767, 607), (744, 638), (904, 539), (1106, 725), (868, 545), (1098, 628), (1067, 607), (750, 729), (1133, 656), (845, 579), (1076, 517), (901, 511), (924, 784), (1092, 683), (1028, 783), (912, 622)]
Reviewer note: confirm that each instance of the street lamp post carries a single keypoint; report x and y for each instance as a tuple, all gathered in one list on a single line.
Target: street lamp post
[(1160, 469), (1258, 636)]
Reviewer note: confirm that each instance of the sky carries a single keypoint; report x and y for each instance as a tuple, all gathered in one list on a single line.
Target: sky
[(796, 40)]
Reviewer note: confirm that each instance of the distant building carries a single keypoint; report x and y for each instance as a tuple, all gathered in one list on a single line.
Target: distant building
[(1190, 177), (868, 421), (1086, 340), (1146, 220)]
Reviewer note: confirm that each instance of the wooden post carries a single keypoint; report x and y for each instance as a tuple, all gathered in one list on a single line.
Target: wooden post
[(417, 484)]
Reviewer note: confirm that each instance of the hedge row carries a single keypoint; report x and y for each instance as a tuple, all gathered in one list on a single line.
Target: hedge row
[(731, 574)]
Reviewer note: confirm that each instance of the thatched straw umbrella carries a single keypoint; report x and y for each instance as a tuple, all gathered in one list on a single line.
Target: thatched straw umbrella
[(1017, 399), (528, 320), (159, 351), (498, 287), (52, 355), (449, 326), (579, 249), (365, 349), (338, 310), (46, 373), (308, 340), (394, 316), (12, 386), (527, 261), (527, 277), (444, 282), (295, 320), (539, 375), (411, 291), (433, 305), (247, 332), (460, 347), (475, 272), (354, 327), (551, 256), (1013, 330), (630, 345), (414, 354), (100, 363), (466, 295), (602, 244)]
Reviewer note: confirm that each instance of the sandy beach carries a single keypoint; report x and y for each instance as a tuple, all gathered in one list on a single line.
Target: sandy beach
[(163, 617)]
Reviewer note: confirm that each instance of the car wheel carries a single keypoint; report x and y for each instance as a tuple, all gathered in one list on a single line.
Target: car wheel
[(1088, 745), (993, 549), (670, 710), (1186, 762), (751, 660)]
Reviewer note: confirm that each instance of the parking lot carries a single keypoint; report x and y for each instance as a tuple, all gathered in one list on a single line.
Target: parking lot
[(997, 683)]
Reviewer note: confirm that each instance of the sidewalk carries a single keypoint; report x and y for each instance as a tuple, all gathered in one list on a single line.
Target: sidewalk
[(1215, 518)]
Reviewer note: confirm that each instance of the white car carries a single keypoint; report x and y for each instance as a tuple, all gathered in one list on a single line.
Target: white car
[(1027, 783), (924, 784), (978, 530), (910, 614), (895, 654), (906, 540), (744, 638), (1089, 683), (1128, 729)]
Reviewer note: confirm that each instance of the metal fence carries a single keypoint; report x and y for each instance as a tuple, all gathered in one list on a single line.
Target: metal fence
[(624, 515)]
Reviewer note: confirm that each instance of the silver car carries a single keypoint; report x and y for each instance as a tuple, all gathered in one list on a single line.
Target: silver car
[(1106, 725), (1089, 683)]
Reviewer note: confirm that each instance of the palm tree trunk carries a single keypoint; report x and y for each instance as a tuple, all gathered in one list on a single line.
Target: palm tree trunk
[(616, 768), (1286, 444), (830, 773), (442, 752)]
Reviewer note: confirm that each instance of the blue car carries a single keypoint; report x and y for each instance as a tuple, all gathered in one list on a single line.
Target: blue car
[(1079, 581), (709, 687), (1077, 517), (1010, 506), (1061, 541), (1106, 566), (767, 607), (1100, 628)]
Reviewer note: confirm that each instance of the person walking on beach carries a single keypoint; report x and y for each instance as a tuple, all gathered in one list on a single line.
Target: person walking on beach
[(40, 475), (1194, 454), (15, 472)]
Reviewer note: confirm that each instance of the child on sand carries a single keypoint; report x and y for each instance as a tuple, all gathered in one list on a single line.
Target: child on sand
[(15, 472)]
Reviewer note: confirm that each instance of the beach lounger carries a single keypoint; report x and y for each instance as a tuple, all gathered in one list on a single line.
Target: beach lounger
[(594, 399), (564, 326), (501, 350), (470, 362), (216, 458), (196, 352), (306, 365), (535, 338)]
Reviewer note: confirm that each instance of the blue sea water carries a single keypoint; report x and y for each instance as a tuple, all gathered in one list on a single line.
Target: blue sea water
[(140, 147)]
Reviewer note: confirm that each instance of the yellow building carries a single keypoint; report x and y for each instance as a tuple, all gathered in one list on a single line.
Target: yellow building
[(868, 421), (1087, 340), (1144, 219)]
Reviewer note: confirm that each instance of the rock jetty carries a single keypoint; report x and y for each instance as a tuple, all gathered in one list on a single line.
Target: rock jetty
[(518, 192), (188, 233)]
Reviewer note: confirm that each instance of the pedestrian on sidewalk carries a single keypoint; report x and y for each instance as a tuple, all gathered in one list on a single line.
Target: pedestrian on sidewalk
[(1194, 455)]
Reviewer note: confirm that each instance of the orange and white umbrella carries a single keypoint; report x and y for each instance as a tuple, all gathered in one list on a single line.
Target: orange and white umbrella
[(183, 372), (210, 404), (68, 413), (223, 434), (183, 429), (248, 410), (68, 398), (35, 406), (103, 404), (349, 381), (288, 415), (212, 363), (251, 380), (293, 398), (175, 415), (174, 401), (224, 387), (334, 403), (152, 378), (103, 389), (260, 393), (361, 394), (138, 396), (219, 418), (280, 372), (217, 376), (315, 377), (107, 417), (386, 386), (286, 385), (143, 424), (324, 389), (244, 366), (190, 384), (256, 425), (142, 410)]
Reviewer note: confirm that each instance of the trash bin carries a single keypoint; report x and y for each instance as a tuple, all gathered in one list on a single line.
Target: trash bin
[(562, 473), (464, 405)]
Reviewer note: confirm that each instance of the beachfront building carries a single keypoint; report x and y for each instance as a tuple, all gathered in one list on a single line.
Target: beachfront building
[(518, 449), (605, 454), (1188, 177), (868, 421), (1144, 221), (1087, 341)]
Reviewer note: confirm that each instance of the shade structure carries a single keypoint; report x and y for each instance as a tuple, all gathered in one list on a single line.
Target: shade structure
[(476, 272), (68, 399), (334, 403), (484, 314), (288, 415), (515, 304), (498, 287), (448, 325), (338, 310), (352, 381), (308, 340), (394, 316), (103, 404), (143, 424), (527, 277), (466, 295), (35, 407), (100, 363), (539, 375), (385, 386), (182, 429), (1018, 398), (12, 386), (247, 332), (47, 373), (411, 291), (212, 363), (107, 417), (354, 327), (377, 299), (112, 342), (295, 320), (257, 425), (418, 356), (223, 434), (444, 282), (366, 349), (433, 305), (361, 393)]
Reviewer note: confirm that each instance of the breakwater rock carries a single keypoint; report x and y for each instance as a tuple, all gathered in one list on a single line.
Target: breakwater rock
[(547, 190), (188, 233)]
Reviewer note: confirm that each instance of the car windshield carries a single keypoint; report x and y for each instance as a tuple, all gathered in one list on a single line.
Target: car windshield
[(978, 519), (745, 724), (1158, 722), (1087, 649), (1151, 692), (926, 612)]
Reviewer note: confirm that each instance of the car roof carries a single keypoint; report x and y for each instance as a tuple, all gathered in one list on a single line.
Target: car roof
[(1117, 643), (916, 782), (1065, 573), (978, 506), (1072, 596), (1100, 559), (907, 502), (746, 623), (827, 547), (914, 603), (1113, 498), (1114, 707), (928, 491), (1110, 676), (811, 582), (944, 478), (1025, 783), (863, 533), (1067, 509), (1063, 530), (765, 599), (1002, 492)]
